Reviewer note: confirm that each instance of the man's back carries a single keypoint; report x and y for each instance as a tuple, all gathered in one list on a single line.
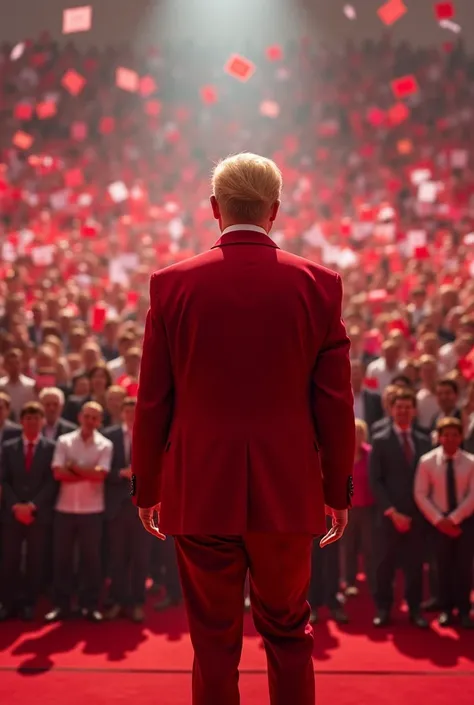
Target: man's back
[(257, 378)]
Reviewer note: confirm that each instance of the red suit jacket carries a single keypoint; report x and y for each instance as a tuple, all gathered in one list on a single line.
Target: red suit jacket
[(244, 419)]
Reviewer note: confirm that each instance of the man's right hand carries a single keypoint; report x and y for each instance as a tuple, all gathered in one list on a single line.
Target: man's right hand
[(401, 522), (340, 517), (449, 528)]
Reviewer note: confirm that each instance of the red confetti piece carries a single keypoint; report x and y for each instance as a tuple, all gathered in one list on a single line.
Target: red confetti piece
[(444, 10), (208, 95), (274, 53), (46, 109), (147, 86), (398, 113), (404, 86), (23, 111), (73, 82), (22, 140), (240, 68), (106, 125), (392, 11)]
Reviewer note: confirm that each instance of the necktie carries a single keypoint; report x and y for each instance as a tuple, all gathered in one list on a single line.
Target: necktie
[(407, 449), (451, 486), (30, 451)]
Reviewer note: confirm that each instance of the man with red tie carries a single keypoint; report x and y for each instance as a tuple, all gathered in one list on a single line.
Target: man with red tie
[(244, 434), (28, 492)]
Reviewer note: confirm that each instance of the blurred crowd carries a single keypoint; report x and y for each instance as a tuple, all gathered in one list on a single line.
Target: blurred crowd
[(100, 185)]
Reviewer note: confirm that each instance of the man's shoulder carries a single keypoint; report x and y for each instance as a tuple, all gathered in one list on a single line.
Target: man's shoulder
[(67, 426), (67, 438), (11, 444), (382, 436), (467, 457), (430, 456), (47, 444), (111, 432), (101, 441)]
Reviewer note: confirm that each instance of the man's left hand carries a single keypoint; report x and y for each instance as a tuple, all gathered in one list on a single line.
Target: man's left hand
[(147, 517)]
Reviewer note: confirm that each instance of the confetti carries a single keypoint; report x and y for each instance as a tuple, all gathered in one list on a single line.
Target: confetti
[(79, 131), (73, 178), (22, 140), (274, 53), (269, 108), (106, 125), (73, 82), (127, 80), (118, 192), (77, 19), (452, 26), (350, 12), (240, 68), (46, 109), (392, 11), (147, 86), (404, 146), (398, 113), (404, 86), (208, 95), (23, 111), (444, 10), (153, 108), (18, 51)]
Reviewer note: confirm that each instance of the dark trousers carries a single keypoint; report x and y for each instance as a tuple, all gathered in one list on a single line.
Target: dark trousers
[(399, 550), (14, 535), (359, 540), (325, 574), (213, 571), (165, 567), (129, 547), (454, 563), (85, 532)]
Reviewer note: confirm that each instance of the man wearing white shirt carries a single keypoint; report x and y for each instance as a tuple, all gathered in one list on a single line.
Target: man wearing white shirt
[(20, 389), (116, 367), (81, 463), (444, 492), (426, 398), (386, 367)]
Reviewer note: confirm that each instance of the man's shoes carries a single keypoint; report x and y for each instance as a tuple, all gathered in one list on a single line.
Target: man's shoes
[(431, 605), (27, 614), (314, 617), (137, 614), (93, 615), (6, 613), (381, 619), (445, 619), (247, 604), (165, 603), (466, 622), (339, 615), (351, 591), (57, 614), (113, 612), (417, 619)]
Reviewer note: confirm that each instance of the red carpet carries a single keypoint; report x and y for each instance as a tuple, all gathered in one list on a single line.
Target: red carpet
[(112, 663)]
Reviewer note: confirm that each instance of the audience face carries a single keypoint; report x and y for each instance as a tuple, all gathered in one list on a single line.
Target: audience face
[(403, 413), (128, 415), (52, 408), (99, 381), (450, 439), (32, 425), (114, 398), (90, 419), (81, 387), (91, 356), (428, 374), (12, 365), (391, 353), (447, 398)]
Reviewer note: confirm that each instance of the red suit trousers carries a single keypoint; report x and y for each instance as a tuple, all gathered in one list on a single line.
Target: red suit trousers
[(213, 570)]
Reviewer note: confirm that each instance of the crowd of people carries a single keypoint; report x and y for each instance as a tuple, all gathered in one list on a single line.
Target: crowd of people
[(112, 183)]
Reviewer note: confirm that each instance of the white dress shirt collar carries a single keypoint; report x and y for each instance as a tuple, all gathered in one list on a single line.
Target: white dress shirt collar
[(245, 226), (26, 442)]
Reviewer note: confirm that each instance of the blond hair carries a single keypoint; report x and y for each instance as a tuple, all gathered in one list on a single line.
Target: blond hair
[(246, 186)]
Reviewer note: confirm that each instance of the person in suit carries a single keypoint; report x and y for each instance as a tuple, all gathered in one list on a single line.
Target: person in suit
[(28, 492), (385, 422), (128, 547), (395, 454), (52, 400), (100, 380), (444, 493), (229, 445), (367, 404)]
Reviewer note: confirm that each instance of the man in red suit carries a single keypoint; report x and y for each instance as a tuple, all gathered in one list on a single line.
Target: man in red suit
[(244, 434)]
